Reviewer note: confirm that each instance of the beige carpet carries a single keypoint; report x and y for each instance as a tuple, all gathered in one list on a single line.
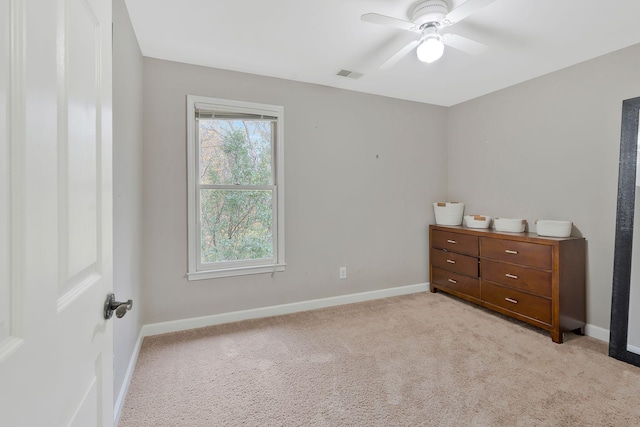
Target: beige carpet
[(416, 360)]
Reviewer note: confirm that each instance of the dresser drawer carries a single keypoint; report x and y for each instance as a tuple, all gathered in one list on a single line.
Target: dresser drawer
[(510, 299), (515, 276), (455, 242), (452, 261), (456, 282), (524, 253)]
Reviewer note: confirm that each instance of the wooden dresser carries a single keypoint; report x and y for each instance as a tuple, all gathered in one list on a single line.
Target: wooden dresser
[(539, 280)]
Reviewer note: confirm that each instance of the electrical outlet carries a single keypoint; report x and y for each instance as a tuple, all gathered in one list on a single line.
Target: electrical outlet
[(343, 272)]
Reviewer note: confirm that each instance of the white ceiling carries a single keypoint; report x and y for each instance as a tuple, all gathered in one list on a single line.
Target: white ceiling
[(310, 41)]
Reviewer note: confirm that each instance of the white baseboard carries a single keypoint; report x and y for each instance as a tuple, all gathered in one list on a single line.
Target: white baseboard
[(117, 409), (633, 349), (236, 316), (596, 332), (217, 319)]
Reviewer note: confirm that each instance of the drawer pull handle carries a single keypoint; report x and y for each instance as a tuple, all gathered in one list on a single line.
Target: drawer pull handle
[(450, 261), (511, 276), (511, 252), (511, 300), (453, 281), (452, 242)]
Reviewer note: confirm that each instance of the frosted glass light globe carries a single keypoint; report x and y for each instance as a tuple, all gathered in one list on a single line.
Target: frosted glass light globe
[(430, 50)]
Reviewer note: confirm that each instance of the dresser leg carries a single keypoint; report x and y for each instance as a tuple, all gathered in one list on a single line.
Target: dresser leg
[(579, 331), (432, 289), (556, 336)]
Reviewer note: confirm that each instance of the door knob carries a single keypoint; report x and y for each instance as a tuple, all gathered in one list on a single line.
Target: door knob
[(120, 308)]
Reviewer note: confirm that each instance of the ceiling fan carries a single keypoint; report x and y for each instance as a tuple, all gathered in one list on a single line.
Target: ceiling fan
[(426, 19)]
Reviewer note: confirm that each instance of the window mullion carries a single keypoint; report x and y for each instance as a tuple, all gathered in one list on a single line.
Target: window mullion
[(235, 187)]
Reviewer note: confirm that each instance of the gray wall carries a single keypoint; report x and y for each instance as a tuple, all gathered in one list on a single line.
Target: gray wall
[(548, 149), (343, 206), (544, 149), (127, 186)]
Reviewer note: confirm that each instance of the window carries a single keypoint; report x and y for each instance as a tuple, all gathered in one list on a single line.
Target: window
[(235, 188)]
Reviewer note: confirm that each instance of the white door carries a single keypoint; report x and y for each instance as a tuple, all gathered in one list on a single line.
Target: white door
[(55, 213)]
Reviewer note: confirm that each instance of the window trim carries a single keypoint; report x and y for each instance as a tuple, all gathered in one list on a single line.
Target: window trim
[(196, 271)]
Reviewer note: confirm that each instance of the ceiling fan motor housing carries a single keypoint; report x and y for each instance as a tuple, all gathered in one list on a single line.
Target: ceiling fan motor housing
[(430, 11)]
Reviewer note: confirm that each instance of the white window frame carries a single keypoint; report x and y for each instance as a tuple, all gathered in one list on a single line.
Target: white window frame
[(197, 270)]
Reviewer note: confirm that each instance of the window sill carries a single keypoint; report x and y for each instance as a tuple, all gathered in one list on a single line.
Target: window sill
[(237, 271)]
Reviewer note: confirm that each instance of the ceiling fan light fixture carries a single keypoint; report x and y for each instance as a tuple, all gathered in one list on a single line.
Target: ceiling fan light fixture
[(431, 49)]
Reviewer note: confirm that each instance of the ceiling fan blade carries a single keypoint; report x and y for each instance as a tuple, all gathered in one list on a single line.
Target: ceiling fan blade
[(464, 44), (376, 18), (465, 9), (399, 55)]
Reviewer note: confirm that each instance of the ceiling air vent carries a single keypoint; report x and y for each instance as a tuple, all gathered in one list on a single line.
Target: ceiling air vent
[(350, 74)]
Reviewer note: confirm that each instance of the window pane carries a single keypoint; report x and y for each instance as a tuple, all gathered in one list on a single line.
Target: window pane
[(236, 152), (236, 225)]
